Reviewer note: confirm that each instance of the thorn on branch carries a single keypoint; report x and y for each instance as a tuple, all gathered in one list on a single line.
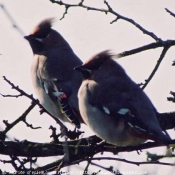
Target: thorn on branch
[(66, 11)]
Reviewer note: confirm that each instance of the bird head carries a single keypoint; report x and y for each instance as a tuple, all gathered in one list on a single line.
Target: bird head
[(93, 64), (44, 37)]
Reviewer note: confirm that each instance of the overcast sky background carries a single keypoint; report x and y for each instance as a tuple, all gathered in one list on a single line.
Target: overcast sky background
[(88, 32)]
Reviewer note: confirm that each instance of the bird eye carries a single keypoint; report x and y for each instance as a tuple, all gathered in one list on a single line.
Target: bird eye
[(41, 38)]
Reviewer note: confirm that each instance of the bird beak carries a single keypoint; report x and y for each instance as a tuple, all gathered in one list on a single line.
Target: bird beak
[(85, 72), (28, 37), (82, 69)]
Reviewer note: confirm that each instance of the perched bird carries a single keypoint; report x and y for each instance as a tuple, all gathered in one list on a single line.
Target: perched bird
[(114, 106), (54, 80)]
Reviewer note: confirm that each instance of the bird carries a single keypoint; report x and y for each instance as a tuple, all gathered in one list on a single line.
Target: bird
[(114, 107), (54, 80)]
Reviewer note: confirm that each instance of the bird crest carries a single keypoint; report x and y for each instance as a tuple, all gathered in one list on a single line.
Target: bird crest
[(97, 60), (43, 28)]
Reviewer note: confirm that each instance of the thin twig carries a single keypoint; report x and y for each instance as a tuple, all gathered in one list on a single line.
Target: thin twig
[(11, 19), (165, 49), (30, 125), (171, 13), (16, 96), (86, 168)]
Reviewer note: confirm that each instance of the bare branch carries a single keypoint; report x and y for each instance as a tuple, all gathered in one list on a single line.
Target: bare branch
[(109, 10)]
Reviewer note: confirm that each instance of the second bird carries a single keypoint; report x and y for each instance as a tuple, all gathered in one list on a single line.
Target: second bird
[(114, 106)]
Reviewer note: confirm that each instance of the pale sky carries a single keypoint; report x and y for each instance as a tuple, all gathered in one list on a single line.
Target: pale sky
[(88, 32)]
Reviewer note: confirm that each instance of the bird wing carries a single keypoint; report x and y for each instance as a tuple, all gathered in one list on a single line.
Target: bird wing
[(57, 89), (121, 99)]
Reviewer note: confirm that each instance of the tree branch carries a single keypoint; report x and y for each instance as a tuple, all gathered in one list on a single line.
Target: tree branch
[(171, 13), (106, 11), (166, 43), (14, 24), (32, 149)]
